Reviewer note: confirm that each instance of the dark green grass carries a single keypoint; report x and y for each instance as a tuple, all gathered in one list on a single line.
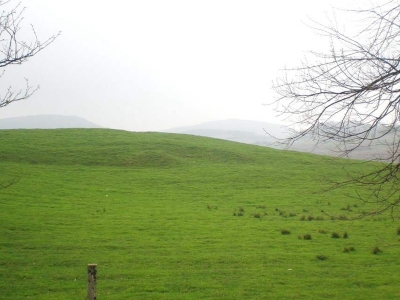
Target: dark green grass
[(156, 213)]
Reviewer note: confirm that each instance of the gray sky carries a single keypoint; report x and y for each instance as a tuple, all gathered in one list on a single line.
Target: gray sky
[(152, 65)]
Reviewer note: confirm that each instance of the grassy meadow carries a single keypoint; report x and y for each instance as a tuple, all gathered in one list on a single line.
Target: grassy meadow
[(169, 216)]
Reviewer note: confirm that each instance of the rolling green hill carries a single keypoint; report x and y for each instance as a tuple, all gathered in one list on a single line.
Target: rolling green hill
[(169, 216)]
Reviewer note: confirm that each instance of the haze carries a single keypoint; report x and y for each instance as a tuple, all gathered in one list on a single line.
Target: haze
[(153, 65)]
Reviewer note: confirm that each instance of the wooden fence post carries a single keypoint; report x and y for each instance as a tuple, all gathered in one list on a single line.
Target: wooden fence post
[(92, 278)]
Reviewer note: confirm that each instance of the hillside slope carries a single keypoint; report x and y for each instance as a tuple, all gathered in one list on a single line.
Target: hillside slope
[(173, 216), (108, 147)]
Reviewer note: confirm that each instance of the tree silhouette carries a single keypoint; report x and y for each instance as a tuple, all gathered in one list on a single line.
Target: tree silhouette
[(14, 50), (350, 95)]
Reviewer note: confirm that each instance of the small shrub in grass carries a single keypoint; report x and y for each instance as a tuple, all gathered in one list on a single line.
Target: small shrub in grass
[(307, 236), (285, 231), (322, 257), (302, 218), (335, 235), (257, 215), (310, 218), (348, 249), (398, 231), (239, 212), (322, 231), (345, 235), (376, 250), (292, 214)]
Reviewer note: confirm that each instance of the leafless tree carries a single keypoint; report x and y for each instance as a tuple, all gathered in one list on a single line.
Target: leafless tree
[(351, 95), (14, 50)]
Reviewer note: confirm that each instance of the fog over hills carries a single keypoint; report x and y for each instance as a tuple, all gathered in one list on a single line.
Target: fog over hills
[(242, 131), (255, 132), (46, 122)]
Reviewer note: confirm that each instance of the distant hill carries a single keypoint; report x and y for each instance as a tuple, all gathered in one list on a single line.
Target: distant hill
[(46, 122), (255, 132), (242, 131)]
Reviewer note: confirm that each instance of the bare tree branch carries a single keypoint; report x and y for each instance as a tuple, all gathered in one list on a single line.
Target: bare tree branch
[(351, 95), (14, 51), (8, 183)]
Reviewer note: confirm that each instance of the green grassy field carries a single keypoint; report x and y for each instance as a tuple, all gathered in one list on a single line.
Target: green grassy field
[(170, 216)]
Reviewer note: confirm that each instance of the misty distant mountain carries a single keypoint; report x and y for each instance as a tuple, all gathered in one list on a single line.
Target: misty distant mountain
[(242, 131), (377, 146), (254, 132), (46, 122)]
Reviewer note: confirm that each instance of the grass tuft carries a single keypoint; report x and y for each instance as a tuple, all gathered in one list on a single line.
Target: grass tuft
[(376, 250), (348, 249), (322, 257)]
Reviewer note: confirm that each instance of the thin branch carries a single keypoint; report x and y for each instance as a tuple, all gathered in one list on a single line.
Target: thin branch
[(351, 96)]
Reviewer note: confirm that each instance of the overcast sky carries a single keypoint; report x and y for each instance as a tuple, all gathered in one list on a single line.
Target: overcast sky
[(152, 65)]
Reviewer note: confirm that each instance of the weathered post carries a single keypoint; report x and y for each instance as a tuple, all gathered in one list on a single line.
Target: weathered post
[(92, 278)]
